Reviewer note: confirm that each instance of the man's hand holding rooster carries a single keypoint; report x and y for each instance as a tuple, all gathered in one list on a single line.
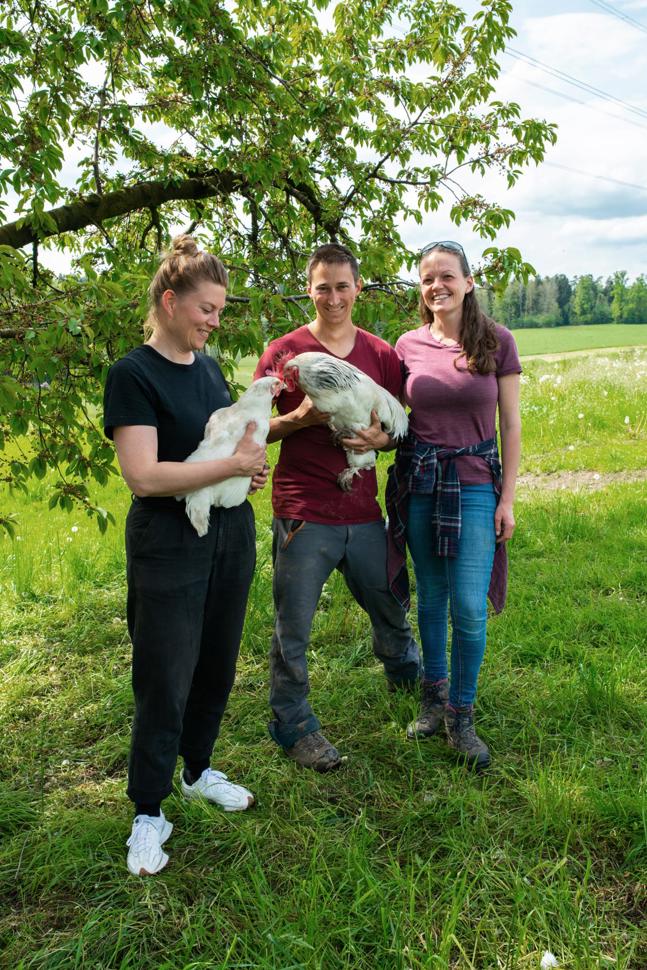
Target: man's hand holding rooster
[(372, 438)]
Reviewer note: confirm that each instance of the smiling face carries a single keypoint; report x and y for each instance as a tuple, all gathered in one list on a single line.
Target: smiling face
[(443, 285), (189, 318), (333, 290)]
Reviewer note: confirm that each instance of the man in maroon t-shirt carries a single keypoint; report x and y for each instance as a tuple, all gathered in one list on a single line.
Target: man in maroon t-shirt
[(318, 527)]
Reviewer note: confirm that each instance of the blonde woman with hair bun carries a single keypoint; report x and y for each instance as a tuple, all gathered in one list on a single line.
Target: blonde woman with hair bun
[(187, 595)]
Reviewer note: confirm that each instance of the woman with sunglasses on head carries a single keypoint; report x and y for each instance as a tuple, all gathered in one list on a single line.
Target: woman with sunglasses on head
[(187, 594), (450, 496)]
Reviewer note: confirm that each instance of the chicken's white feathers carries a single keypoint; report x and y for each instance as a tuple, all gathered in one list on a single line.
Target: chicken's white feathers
[(348, 395), (222, 432)]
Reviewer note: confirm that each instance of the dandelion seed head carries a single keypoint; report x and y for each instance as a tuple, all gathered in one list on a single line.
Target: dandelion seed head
[(548, 960), (74, 528)]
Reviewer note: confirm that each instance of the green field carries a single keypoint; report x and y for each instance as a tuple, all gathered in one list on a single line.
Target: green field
[(559, 340), (401, 860), (548, 340)]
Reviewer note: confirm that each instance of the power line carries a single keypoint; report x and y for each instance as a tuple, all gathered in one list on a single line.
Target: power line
[(582, 85), (585, 104), (601, 178), (620, 14)]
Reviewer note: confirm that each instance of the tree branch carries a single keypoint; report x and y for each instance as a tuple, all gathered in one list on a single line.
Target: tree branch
[(95, 209)]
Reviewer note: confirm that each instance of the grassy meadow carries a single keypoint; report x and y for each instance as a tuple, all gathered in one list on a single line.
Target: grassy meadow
[(559, 340), (401, 860)]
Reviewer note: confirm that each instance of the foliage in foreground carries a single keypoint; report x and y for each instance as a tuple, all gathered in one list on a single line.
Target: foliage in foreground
[(266, 129), (401, 860)]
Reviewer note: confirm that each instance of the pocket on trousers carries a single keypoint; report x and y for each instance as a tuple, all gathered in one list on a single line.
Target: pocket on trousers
[(288, 529), (139, 528)]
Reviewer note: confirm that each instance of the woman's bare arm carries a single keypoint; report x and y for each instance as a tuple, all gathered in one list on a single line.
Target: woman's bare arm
[(136, 447), (510, 430)]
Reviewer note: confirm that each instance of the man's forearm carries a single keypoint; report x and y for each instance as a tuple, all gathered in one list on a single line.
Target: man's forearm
[(283, 425)]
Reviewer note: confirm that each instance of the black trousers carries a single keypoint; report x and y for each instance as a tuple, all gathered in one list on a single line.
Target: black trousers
[(187, 598)]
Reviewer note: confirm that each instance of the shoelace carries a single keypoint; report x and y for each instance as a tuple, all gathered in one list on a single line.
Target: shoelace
[(213, 776), (467, 729), (143, 835)]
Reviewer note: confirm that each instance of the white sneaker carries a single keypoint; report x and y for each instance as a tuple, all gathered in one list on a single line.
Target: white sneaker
[(215, 787), (148, 835)]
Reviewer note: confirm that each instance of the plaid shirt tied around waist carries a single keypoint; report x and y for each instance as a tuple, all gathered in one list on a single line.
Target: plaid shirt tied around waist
[(423, 468)]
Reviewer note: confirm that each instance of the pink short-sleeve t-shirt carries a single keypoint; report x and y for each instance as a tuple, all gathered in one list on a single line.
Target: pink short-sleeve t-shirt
[(449, 405)]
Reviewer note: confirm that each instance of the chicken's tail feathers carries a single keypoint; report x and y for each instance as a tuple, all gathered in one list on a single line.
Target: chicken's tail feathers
[(392, 415), (197, 508)]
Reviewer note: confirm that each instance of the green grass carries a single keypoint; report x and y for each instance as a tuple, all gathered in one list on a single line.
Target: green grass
[(558, 340), (546, 340), (400, 860)]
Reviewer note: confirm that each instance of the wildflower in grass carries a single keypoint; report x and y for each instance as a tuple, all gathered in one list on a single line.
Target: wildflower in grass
[(571, 447), (18, 538), (580, 415), (548, 960), (627, 421), (74, 528), (544, 377)]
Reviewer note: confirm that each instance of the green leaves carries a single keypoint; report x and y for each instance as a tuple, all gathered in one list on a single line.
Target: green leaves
[(122, 123)]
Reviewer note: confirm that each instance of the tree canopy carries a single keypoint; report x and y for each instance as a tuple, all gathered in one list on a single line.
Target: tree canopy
[(265, 129)]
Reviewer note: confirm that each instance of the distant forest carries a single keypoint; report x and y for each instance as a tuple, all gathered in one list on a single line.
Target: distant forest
[(556, 301)]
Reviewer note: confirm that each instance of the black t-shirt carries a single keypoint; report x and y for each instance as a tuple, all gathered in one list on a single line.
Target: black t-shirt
[(144, 388)]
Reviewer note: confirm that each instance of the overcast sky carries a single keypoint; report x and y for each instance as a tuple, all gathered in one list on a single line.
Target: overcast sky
[(568, 221), (585, 209)]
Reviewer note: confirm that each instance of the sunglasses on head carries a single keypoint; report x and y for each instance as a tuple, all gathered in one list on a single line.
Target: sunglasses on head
[(444, 244)]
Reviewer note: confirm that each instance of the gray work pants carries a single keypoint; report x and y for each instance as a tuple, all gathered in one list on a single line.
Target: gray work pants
[(304, 556)]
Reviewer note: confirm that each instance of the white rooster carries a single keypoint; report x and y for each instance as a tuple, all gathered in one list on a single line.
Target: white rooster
[(348, 395), (222, 432)]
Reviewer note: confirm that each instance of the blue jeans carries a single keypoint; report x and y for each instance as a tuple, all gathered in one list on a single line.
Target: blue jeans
[(461, 582)]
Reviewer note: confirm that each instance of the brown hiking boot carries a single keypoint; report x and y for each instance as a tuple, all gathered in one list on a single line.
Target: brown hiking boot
[(433, 702), (314, 751), (461, 736)]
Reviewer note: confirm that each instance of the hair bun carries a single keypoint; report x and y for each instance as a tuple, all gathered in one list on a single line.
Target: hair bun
[(184, 246)]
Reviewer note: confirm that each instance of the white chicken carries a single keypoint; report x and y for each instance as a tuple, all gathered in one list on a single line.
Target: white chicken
[(222, 432), (348, 395)]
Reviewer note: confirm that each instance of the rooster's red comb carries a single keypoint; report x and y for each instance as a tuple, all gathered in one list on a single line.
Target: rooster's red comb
[(278, 363)]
